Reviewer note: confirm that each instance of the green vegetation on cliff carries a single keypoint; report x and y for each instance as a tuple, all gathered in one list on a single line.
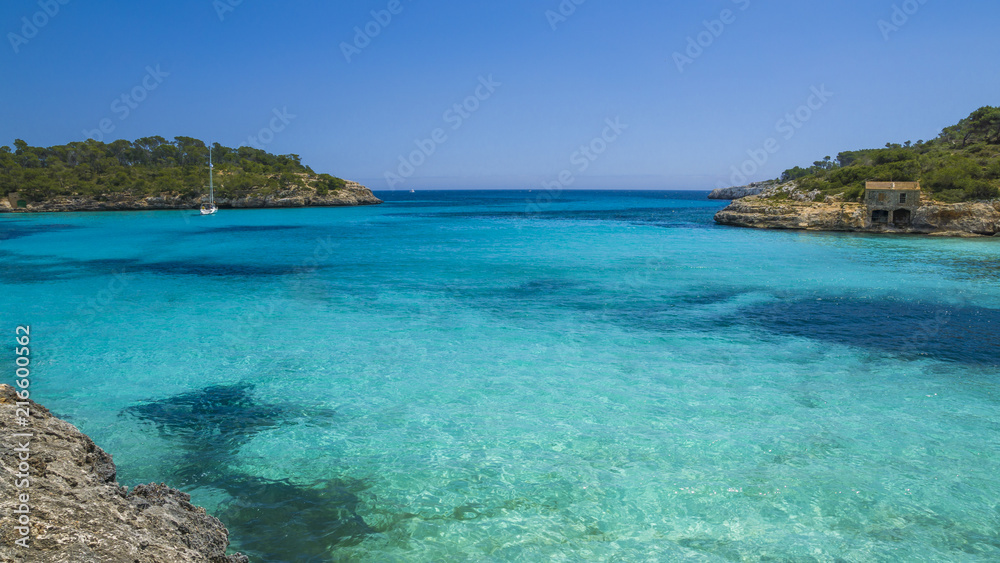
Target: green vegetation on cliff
[(150, 166), (961, 164)]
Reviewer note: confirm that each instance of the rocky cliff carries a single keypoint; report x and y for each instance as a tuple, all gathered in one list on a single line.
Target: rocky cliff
[(350, 195), (933, 218), (738, 192), (60, 502)]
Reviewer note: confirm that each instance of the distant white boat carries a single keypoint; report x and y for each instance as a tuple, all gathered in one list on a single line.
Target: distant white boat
[(412, 191), (210, 208)]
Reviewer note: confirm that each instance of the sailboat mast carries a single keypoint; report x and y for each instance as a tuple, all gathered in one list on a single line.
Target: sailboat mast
[(211, 186)]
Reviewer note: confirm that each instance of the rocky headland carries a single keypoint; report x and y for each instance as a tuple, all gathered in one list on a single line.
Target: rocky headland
[(352, 194), (60, 501), (786, 207), (738, 192)]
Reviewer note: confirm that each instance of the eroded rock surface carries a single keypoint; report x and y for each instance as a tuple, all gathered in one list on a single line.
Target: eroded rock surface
[(931, 218), (77, 512), (738, 192)]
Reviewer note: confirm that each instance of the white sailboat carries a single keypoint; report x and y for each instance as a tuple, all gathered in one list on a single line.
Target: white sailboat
[(210, 208)]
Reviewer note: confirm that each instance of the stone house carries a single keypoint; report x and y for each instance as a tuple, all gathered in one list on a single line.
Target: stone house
[(891, 203)]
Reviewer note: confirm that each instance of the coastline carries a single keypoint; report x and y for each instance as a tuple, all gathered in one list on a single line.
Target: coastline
[(351, 195), (969, 219)]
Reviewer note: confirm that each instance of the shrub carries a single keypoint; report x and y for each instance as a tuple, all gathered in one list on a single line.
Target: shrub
[(886, 156), (811, 183), (950, 196), (849, 175), (795, 174), (980, 190), (854, 192), (993, 169)]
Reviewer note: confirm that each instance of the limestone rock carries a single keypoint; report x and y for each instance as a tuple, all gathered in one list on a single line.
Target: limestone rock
[(77, 512), (785, 208), (790, 214), (737, 192), (978, 218)]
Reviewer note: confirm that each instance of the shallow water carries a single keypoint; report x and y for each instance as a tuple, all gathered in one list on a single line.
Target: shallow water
[(496, 376)]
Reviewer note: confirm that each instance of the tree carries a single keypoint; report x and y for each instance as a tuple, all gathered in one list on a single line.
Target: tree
[(190, 151), (149, 165), (985, 123), (120, 150), (981, 125), (825, 164)]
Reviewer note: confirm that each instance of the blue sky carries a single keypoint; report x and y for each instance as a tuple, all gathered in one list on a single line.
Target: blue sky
[(275, 74)]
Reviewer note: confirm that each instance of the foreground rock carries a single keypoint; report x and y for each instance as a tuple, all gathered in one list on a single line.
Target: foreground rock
[(77, 512), (738, 192), (932, 218), (352, 194)]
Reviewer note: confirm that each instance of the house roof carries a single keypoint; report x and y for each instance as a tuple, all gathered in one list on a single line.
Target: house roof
[(892, 185)]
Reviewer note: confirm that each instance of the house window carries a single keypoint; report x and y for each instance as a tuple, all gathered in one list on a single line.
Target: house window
[(881, 197), (902, 198)]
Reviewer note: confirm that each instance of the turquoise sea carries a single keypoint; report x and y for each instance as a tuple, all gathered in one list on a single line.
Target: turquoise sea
[(511, 376)]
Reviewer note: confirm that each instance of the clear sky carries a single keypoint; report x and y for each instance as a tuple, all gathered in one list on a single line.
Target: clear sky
[(535, 82)]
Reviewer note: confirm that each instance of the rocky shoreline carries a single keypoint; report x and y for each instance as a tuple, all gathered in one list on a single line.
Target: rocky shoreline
[(73, 509), (737, 192), (972, 219), (352, 194)]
